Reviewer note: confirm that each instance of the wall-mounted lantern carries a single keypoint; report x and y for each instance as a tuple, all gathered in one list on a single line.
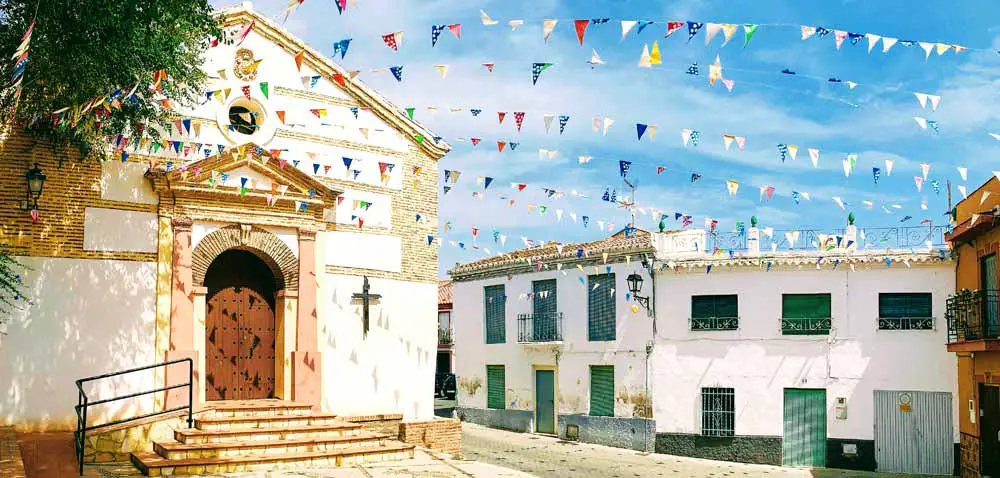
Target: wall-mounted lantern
[(634, 287), (35, 179)]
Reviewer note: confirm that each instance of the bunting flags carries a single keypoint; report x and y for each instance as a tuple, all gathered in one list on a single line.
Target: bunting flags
[(537, 69), (393, 40), (20, 58)]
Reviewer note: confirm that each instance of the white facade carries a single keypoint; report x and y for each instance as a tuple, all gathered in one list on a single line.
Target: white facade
[(758, 362), (571, 359)]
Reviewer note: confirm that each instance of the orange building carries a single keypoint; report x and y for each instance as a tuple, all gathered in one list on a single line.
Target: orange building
[(974, 328)]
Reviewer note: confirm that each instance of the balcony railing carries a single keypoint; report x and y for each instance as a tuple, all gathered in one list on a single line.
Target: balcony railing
[(809, 326), (535, 328), (973, 315), (445, 336), (715, 323)]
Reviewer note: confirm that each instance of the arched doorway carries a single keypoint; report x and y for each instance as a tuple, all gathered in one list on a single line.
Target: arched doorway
[(239, 328)]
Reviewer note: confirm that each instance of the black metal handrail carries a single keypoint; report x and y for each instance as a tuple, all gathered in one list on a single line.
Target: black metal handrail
[(534, 328), (80, 436), (973, 315)]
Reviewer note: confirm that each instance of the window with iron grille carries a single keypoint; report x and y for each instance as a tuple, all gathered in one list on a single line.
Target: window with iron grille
[(495, 306), (602, 390), (718, 411), (905, 311), (714, 312), (601, 307), (805, 314), (496, 385), (544, 326)]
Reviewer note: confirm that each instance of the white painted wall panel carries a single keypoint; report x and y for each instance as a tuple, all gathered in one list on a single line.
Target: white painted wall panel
[(378, 214), (362, 251), (125, 182), (853, 361), (626, 353), (116, 230), (390, 370), (88, 317)]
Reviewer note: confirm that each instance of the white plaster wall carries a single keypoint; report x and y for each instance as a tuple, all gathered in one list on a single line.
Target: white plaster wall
[(88, 317), (392, 369), (379, 214), (117, 230), (855, 359), (360, 251), (627, 353), (125, 182)]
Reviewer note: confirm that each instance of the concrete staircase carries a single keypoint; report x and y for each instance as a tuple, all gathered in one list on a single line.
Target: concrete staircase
[(256, 435)]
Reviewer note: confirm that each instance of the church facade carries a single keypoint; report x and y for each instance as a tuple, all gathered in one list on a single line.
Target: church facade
[(268, 234)]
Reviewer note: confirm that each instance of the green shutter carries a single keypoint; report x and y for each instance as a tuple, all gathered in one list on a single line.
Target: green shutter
[(805, 306), (495, 307), (602, 390), (601, 307), (909, 305), (495, 387), (544, 300), (712, 306)]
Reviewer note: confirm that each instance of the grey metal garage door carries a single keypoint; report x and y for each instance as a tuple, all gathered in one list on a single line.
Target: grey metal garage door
[(914, 432)]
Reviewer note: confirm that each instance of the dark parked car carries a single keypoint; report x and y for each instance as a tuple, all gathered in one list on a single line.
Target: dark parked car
[(444, 385)]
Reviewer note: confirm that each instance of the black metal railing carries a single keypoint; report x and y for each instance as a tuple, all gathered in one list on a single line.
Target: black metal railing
[(868, 238), (806, 326), (533, 328), (973, 315), (715, 323), (80, 436), (444, 336)]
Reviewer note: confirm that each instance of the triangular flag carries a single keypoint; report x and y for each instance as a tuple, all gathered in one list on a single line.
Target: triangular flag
[(888, 166), (732, 186), (298, 59), (919, 181), (928, 47), (581, 27), (963, 172), (514, 24), (644, 59), (839, 36), (872, 41), (442, 69), (607, 124), (547, 119), (627, 26), (711, 29), (808, 32), (748, 31), (640, 129), (887, 43), (595, 59), (982, 198), (935, 101), (547, 27), (728, 30), (924, 169), (961, 189), (456, 29), (654, 54), (486, 19)]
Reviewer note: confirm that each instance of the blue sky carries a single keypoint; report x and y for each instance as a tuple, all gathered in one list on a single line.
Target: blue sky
[(874, 120)]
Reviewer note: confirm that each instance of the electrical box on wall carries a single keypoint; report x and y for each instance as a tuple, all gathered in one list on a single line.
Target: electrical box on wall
[(841, 408), (972, 411)]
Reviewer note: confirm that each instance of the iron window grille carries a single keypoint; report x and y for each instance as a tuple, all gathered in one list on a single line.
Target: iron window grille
[(714, 312), (496, 386), (806, 314), (602, 390), (718, 411), (495, 307), (601, 307), (905, 311)]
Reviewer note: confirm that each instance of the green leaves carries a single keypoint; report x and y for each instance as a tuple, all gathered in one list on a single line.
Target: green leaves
[(82, 50)]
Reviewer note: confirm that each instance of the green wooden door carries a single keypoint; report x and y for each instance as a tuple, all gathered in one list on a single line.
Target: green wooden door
[(545, 402), (804, 441)]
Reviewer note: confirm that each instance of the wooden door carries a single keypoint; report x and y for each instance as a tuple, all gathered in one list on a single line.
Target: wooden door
[(545, 402), (239, 328)]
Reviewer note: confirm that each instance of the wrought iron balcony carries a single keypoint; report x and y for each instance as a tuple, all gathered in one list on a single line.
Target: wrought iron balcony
[(807, 326), (445, 336), (537, 328), (973, 315), (715, 323)]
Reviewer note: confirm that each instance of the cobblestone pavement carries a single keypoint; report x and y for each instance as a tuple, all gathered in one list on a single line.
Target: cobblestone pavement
[(549, 457)]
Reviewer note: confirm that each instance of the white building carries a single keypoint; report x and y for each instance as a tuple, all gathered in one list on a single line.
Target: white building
[(807, 357), (559, 346)]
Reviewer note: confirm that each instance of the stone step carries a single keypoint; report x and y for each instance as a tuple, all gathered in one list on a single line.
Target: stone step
[(254, 423), (332, 430), (173, 450), (151, 464), (256, 408)]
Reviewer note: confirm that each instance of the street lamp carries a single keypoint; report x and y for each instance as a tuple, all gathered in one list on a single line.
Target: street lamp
[(36, 181), (635, 286)]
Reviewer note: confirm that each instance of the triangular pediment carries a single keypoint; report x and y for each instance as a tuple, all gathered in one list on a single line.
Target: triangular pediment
[(246, 170)]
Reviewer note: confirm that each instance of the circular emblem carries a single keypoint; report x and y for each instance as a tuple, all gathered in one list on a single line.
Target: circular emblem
[(905, 398), (244, 65)]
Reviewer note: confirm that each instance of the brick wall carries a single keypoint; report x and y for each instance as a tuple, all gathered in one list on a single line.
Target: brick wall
[(419, 260), (387, 423), (72, 185), (442, 434)]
